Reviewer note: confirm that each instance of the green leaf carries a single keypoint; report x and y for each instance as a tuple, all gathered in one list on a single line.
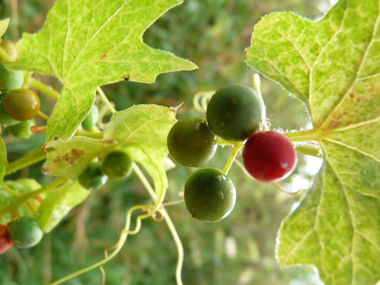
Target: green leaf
[(333, 65), (92, 43), (140, 131), (3, 26), (58, 202), (20, 186)]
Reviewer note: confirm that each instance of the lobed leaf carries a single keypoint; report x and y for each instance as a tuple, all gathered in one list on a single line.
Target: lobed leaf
[(86, 44), (140, 131), (333, 66)]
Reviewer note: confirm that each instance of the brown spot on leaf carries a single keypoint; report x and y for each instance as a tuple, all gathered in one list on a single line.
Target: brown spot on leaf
[(45, 170), (126, 77), (107, 141), (358, 100), (70, 157), (43, 148), (352, 95), (333, 124), (104, 57)]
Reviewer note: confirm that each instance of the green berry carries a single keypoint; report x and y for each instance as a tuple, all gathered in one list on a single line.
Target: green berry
[(5, 119), (10, 48), (23, 129), (235, 112), (210, 195), (22, 104), (92, 178), (25, 232), (91, 119), (117, 165), (191, 142), (10, 79)]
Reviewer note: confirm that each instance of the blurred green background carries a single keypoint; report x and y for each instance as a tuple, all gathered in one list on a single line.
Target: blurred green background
[(237, 250)]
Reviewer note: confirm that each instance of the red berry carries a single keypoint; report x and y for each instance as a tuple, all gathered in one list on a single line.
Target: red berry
[(269, 156), (5, 241)]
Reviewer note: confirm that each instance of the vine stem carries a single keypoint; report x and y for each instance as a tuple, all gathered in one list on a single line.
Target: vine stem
[(105, 100), (4, 56), (93, 135), (168, 221), (44, 88), (237, 147), (16, 204)]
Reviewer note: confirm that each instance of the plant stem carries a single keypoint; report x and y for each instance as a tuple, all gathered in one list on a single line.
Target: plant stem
[(30, 158), (309, 149), (16, 204), (43, 115), (144, 181), (4, 56), (105, 99), (84, 133), (44, 88), (10, 191), (231, 159)]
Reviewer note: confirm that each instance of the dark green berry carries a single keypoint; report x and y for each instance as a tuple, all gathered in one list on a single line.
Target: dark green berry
[(25, 232), (117, 165), (210, 195), (191, 142), (91, 119), (10, 79), (22, 104), (92, 178), (235, 112), (23, 129)]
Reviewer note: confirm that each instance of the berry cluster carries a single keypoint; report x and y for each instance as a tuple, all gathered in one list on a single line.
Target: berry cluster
[(235, 114), (115, 165)]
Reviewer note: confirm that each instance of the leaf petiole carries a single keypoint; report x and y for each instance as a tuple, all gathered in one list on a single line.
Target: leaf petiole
[(105, 99), (34, 83)]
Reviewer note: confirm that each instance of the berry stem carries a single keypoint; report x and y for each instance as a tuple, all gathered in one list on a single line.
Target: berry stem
[(43, 115), (34, 83), (93, 135), (231, 159), (4, 56), (16, 204), (105, 99)]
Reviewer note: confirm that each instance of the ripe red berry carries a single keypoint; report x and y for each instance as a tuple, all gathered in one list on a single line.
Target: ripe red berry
[(269, 156), (5, 241)]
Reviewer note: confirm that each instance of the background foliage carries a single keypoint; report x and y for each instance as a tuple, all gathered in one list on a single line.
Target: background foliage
[(238, 250)]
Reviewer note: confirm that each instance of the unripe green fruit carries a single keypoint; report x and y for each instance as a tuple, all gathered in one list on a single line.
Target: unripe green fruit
[(210, 195), (10, 48), (91, 119), (22, 129), (92, 178), (117, 165), (191, 142), (235, 112), (22, 104), (10, 79), (25, 232)]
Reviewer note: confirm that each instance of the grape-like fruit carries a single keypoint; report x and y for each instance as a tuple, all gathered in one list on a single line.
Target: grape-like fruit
[(191, 142), (22, 104), (269, 156), (25, 232), (5, 119), (10, 79), (91, 119), (235, 112), (23, 129), (5, 241), (92, 178), (117, 165), (210, 195)]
